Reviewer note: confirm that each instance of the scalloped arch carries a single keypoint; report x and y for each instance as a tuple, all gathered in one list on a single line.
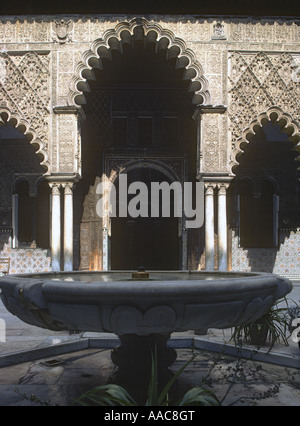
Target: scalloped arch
[(6, 116), (133, 164), (276, 115), (152, 33)]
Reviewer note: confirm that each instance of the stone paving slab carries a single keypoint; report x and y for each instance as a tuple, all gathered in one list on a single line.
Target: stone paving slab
[(234, 381)]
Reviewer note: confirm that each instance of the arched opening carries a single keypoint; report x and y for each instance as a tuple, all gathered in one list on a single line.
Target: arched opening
[(24, 211), (150, 35), (13, 127), (152, 242), (265, 202), (25, 215), (43, 215), (257, 214), (140, 108)]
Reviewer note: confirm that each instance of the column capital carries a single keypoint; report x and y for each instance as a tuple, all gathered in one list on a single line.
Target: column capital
[(209, 188), (222, 188), (68, 187), (55, 186)]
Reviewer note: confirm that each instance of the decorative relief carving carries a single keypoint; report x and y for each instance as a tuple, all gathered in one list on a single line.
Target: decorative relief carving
[(81, 30), (31, 29), (67, 140), (191, 30), (64, 80), (2, 71), (218, 31), (215, 84), (62, 31), (264, 31), (162, 319), (65, 61), (24, 91), (260, 82), (211, 148), (213, 62), (151, 32)]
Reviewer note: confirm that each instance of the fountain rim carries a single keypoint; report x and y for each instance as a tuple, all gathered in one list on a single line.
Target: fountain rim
[(229, 274), (133, 288)]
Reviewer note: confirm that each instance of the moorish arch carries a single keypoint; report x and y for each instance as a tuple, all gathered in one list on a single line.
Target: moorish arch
[(15, 120), (148, 33), (23, 145), (263, 194), (275, 115), (138, 35)]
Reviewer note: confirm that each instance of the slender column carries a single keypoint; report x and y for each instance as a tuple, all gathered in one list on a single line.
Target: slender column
[(55, 227), (34, 216), (15, 220), (209, 226), (105, 249), (68, 226), (222, 227)]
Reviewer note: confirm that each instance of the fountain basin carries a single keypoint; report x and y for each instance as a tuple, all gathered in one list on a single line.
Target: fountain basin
[(168, 302)]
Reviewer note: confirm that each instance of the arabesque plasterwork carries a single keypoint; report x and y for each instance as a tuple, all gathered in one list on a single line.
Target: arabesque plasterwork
[(261, 84), (248, 68), (25, 95)]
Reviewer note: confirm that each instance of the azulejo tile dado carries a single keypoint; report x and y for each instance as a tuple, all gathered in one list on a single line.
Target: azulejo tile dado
[(24, 260), (282, 260)]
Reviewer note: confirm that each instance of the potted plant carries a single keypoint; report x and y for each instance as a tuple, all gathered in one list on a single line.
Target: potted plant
[(271, 328)]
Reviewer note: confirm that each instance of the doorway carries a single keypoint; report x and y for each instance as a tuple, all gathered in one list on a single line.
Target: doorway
[(151, 242)]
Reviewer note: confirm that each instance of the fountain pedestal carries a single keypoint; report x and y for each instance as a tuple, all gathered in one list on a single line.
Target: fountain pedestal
[(134, 361)]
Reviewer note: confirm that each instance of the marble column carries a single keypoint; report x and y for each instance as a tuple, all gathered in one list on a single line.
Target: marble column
[(55, 226), (15, 220), (209, 227), (68, 226), (105, 248), (222, 227)]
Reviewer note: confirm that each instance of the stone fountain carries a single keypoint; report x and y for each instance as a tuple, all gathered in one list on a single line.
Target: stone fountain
[(142, 309)]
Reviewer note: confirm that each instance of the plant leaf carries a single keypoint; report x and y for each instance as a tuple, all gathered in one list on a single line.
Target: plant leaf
[(168, 386), (107, 395), (199, 396), (153, 383)]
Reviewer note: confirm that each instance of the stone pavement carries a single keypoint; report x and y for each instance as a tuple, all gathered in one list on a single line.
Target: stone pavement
[(41, 367)]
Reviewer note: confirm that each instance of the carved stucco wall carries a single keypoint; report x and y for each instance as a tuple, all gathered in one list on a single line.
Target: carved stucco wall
[(250, 66), (25, 95), (258, 82)]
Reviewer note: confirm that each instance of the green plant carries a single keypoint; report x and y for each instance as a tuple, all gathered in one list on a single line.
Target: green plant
[(115, 395), (271, 328)]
